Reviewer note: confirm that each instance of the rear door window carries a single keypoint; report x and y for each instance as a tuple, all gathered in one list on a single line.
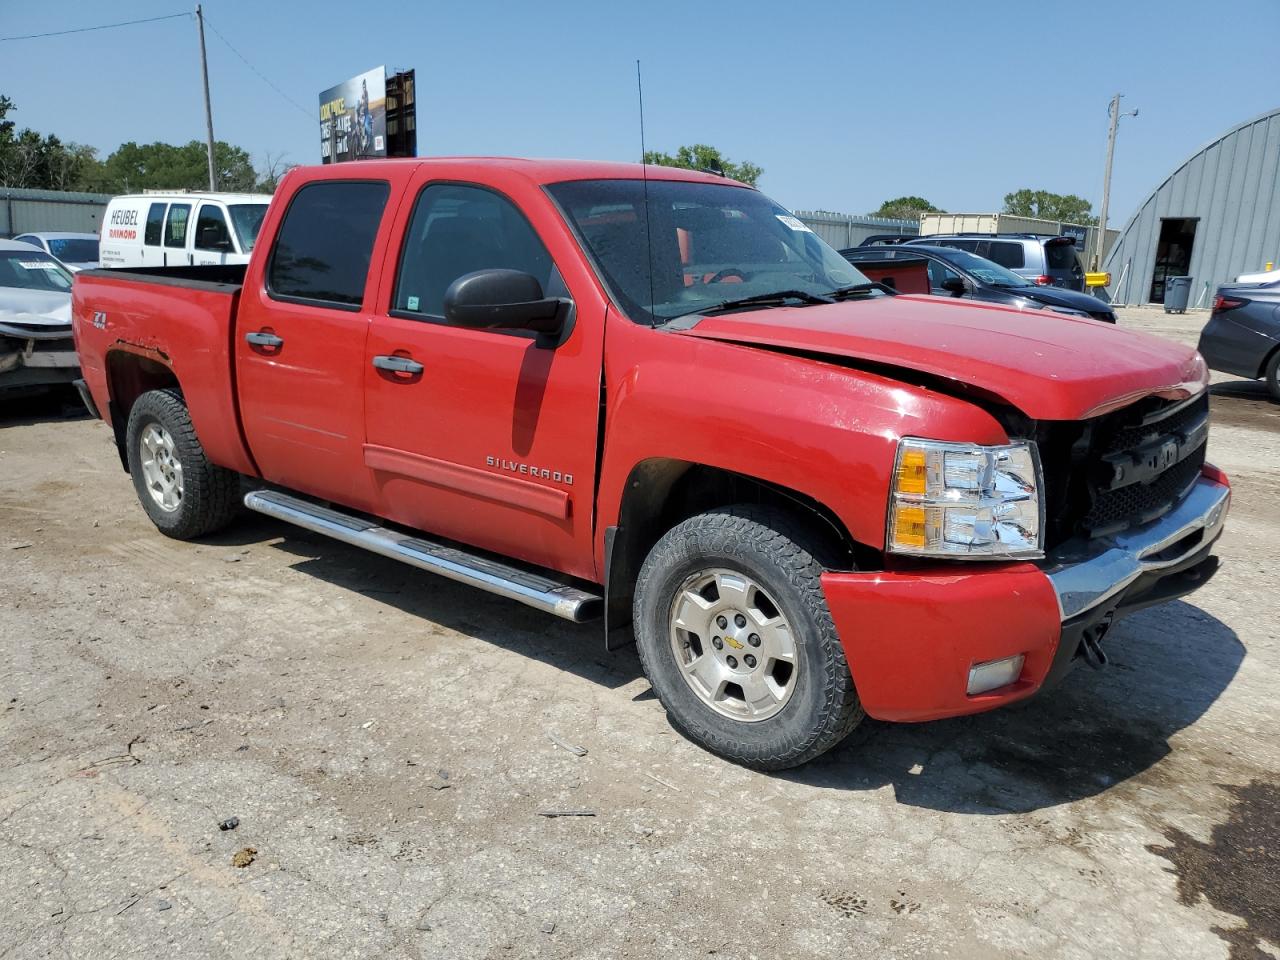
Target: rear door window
[(155, 225), (970, 245), (175, 225), (325, 243), (1007, 254)]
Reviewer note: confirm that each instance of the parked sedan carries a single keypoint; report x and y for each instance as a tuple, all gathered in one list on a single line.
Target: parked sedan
[(79, 251), (36, 349), (1242, 336), (957, 273)]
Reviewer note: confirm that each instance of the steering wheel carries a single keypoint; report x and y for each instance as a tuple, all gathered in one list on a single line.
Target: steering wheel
[(720, 275)]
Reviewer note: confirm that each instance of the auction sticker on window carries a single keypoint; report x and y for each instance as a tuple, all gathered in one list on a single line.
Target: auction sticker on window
[(37, 265), (793, 223)]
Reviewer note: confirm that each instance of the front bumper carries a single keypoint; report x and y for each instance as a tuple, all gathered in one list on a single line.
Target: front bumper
[(38, 359), (910, 638)]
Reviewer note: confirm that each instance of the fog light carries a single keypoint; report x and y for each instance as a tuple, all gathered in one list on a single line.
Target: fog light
[(994, 673)]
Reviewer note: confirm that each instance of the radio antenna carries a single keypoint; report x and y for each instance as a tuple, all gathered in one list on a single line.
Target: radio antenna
[(644, 179)]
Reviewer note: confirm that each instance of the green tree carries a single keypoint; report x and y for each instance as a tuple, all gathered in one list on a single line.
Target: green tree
[(1049, 206), (702, 157), (165, 166), (905, 208), (29, 159)]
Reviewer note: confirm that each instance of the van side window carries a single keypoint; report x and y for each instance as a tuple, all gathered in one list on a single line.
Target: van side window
[(456, 230), (155, 225), (325, 243), (211, 230), (175, 225), (1007, 254)]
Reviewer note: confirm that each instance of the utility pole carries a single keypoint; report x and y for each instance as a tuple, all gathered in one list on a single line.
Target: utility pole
[(1114, 112), (208, 109)]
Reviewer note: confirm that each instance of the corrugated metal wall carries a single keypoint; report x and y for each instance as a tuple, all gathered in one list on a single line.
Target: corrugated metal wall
[(843, 230), (31, 211), (1233, 187)]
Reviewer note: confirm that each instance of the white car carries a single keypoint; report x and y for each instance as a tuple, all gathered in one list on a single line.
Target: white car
[(36, 348), (1270, 276), (78, 251)]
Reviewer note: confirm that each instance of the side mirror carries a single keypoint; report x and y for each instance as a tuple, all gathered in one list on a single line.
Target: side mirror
[(502, 300), (955, 286)]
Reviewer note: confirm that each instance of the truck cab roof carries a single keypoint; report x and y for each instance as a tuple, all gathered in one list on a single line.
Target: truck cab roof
[(536, 170)]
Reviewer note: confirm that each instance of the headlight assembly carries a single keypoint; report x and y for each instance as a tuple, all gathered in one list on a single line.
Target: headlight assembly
[(962, 501)]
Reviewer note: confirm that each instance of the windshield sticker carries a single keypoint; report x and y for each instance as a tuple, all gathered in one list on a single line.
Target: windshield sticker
[(412, 303), (793, 223), (37, 265)]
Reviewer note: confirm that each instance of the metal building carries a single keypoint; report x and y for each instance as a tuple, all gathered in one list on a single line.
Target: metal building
[(844, 230), (1215, 217), (32, 211)]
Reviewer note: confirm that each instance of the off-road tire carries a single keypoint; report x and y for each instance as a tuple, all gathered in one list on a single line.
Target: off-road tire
[(210, 494), (1272, 375), (766, 545)]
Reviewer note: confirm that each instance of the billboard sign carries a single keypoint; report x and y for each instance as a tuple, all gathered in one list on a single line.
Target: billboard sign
[(353, 118)]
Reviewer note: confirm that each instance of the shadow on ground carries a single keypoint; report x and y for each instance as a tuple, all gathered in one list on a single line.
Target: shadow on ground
[(576, 647), (1097, 729), (41, 405), (1169, 664)]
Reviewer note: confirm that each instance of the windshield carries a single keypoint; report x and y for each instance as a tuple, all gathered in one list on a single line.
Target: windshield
[(707, 243), (33, 271), (247, 218), (985, 270), (75, 250)]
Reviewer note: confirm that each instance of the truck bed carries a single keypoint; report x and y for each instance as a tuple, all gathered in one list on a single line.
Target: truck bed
[(201, 277), (183, 318)]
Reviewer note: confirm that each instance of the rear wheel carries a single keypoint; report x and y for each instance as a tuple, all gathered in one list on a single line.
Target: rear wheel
[(1273, 375), (182, 492), (734, 633)]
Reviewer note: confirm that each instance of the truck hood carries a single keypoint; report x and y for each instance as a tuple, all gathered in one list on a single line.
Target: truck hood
[(1048, 365), (23, 311)]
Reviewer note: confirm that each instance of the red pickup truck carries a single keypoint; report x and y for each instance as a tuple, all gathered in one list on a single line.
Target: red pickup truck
[(654, 397)]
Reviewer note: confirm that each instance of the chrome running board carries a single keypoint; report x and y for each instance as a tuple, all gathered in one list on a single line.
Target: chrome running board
[(494, 576)]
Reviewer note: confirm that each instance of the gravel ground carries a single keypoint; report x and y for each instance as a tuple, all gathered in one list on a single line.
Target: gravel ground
[(389, 740)]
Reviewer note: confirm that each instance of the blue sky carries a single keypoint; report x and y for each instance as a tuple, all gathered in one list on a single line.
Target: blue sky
[(844, 104)]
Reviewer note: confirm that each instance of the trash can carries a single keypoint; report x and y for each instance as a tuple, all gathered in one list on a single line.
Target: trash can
[(1177, 291)]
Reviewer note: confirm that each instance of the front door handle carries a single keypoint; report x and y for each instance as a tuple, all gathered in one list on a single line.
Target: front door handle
[(397, 364), (264, 340)]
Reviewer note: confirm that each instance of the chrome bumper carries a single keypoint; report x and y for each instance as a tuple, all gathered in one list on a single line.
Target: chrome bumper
[(1086, 574)]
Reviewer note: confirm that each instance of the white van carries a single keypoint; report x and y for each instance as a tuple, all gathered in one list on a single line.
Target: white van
[(180, 229)]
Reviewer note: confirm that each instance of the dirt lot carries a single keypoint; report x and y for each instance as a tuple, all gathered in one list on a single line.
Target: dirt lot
[(384, 738)]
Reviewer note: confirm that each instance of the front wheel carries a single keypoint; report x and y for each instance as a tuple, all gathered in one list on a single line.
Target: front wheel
[(1273, 375), (183, 493), (734, 634)]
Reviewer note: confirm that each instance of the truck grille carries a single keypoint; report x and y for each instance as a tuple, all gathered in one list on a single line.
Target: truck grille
[(1122, 469)]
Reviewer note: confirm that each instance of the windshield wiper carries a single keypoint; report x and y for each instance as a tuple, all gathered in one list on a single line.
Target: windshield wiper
[(860, 288), (778, 298)]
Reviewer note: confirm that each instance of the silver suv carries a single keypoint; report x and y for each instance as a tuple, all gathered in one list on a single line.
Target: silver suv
[(1045, 259)]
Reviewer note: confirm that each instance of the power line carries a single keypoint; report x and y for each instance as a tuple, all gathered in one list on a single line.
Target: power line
[(309, 114), (105, 26)]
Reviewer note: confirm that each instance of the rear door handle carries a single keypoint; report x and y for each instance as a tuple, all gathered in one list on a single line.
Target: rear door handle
[(264, 339), (397, 364)]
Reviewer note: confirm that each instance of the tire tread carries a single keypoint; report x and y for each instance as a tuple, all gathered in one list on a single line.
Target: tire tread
[(775, 533), (210, 494)]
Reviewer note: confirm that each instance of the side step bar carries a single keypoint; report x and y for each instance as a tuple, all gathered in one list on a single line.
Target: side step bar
[(494, 576)]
